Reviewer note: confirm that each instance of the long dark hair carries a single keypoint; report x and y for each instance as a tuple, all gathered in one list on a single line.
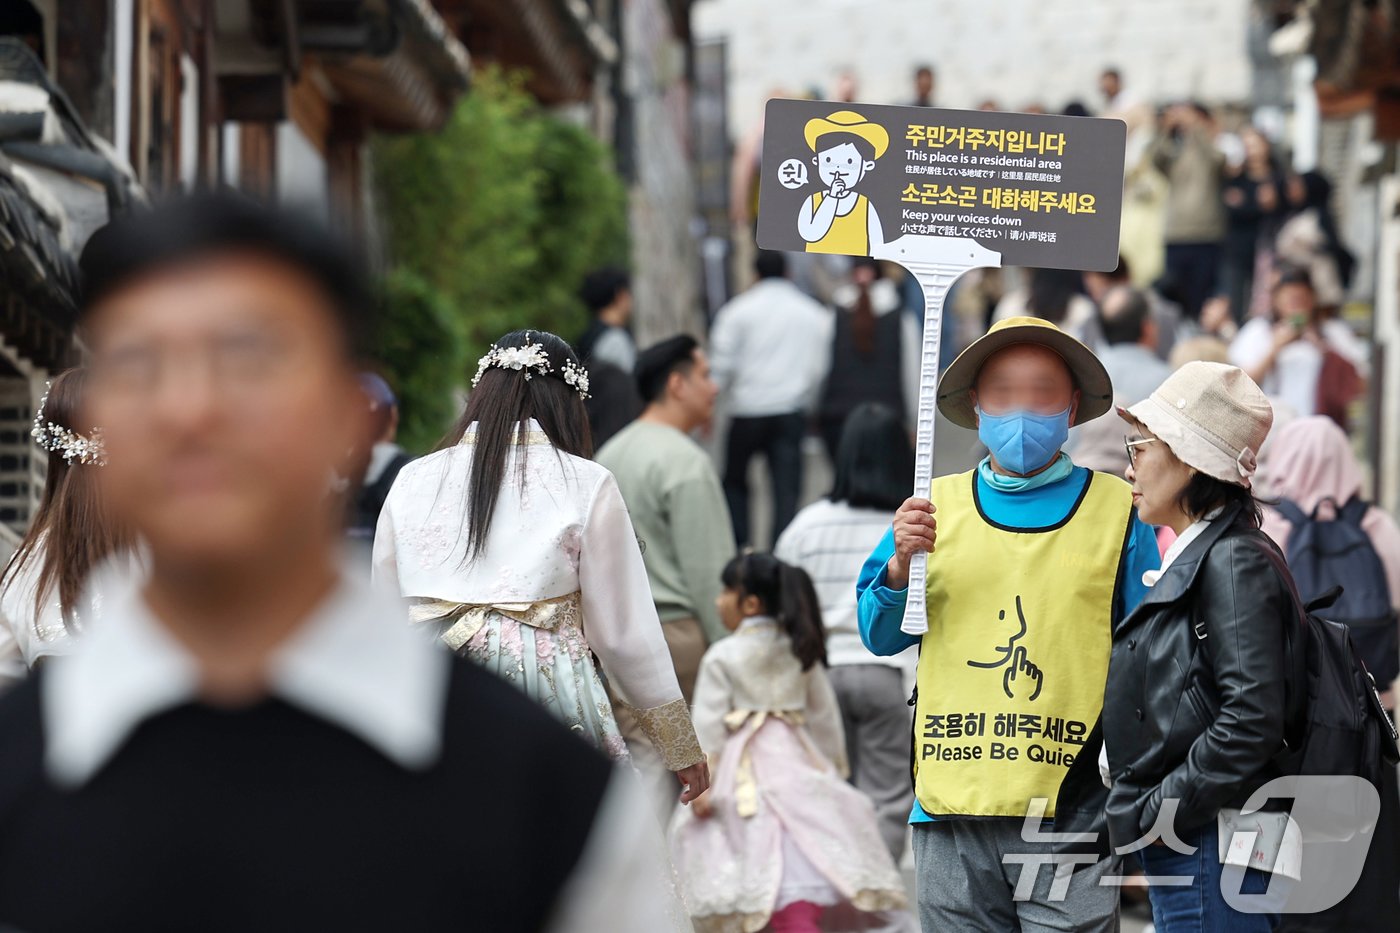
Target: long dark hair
[(863, 311), (787, 594), (874, 461), (72, 524), (1050, 291), (501, 407)]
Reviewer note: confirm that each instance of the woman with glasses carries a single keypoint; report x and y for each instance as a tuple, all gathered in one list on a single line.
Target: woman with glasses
[(1193, 707)]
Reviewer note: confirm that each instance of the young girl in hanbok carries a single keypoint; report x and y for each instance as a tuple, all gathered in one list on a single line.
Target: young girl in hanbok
[(518, 551), (781, 837)]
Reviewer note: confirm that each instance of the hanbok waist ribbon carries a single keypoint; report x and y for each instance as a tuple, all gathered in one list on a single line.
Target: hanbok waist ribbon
[(745, 787), (461, 621)]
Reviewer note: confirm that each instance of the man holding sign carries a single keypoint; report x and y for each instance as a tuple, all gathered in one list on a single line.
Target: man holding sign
[(1031, 562), (1010, 577)]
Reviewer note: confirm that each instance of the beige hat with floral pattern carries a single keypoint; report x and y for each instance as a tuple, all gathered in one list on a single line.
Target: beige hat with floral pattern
[(1212, 416)]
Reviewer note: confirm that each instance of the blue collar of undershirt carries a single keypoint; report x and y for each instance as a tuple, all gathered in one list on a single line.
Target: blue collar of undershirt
[(1058, 471)]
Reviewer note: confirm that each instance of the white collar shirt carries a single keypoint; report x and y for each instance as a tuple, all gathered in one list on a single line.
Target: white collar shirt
[(355, 663), (769, 349)]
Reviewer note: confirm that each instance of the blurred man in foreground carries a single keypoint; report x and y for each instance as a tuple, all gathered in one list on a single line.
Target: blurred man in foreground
[(252, 739)]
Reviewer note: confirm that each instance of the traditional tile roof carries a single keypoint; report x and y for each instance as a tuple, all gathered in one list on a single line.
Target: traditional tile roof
[(58, 183)]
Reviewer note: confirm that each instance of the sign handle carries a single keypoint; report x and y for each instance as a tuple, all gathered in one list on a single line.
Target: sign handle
[(935, 263)]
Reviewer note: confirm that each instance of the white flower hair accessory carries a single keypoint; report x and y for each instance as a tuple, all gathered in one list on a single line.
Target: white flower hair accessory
[(575, 376), (530, 360), (73, 446)]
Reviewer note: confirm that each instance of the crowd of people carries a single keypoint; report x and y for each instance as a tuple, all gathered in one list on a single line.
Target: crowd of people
[(550, 684)]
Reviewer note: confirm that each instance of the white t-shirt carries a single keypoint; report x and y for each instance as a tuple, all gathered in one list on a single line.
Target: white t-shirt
[(29, 631), (768, 349), (1298, 366), (831, 540)]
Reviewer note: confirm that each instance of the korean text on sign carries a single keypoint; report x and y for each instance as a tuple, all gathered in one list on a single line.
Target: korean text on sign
[(975, 139)]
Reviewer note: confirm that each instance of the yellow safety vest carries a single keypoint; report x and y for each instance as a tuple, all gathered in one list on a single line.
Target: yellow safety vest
[(849, 235), (1012, 669)]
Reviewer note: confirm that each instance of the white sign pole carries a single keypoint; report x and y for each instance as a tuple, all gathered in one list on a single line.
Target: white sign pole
[(935, 263)]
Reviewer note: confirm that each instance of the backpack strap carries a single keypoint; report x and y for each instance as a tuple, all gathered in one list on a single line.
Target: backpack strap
[(1326, 601), (1291, 511), (1326, 500), (1354, 512), (1295, 635)]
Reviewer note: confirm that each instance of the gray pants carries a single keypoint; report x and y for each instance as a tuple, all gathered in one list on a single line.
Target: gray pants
[(877, 720), (964, 885)]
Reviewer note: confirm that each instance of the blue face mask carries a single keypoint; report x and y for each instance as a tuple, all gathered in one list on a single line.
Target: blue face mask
[(1022, 441)]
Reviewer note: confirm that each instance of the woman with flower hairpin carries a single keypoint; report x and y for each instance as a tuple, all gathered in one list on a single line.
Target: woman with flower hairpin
[(517, 548), (43, 598)]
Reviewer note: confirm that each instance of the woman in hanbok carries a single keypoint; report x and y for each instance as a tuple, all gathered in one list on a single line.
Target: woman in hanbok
[(781, 838), (46, 591), (518, 550)]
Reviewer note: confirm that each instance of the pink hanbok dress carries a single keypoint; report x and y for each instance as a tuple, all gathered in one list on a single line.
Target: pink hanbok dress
[(786, 827)]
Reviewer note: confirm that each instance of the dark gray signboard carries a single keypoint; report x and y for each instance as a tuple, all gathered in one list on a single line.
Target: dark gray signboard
[(847, 178)]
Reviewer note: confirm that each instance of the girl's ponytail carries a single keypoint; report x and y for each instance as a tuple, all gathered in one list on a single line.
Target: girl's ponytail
[(787, 594), (800, 615)]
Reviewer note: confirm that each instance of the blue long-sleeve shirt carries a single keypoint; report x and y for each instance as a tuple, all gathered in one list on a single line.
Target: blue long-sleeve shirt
[(881, 609)]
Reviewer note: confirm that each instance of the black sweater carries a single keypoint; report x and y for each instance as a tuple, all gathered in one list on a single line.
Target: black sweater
[(268, 818)]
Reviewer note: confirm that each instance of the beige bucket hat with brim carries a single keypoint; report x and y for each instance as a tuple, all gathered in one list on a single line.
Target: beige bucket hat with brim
[(960, 378), (1212, 416)]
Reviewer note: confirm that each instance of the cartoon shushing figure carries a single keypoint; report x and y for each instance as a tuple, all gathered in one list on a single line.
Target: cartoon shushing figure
[(1014, 659), (840, 220)]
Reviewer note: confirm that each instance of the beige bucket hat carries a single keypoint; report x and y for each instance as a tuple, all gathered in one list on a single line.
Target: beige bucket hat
[(1212, 416), (960, 378)]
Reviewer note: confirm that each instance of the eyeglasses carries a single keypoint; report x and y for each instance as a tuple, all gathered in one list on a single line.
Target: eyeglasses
[(1131, 447)]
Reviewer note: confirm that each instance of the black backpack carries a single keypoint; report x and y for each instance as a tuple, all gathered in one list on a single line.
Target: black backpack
[(1336, 723), (1327, 554)]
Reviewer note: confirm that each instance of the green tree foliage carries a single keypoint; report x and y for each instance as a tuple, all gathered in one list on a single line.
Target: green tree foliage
[(491, 225), (423, 348)]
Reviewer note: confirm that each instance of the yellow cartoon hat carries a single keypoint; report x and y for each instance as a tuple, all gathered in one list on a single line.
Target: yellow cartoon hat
[(847, 121)]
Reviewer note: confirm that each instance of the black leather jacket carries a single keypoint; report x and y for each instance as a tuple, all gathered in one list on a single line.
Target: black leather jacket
[(1194, 705)]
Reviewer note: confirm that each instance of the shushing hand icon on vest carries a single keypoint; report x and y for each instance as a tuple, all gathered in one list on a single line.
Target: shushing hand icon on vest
[(1013, 656)]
